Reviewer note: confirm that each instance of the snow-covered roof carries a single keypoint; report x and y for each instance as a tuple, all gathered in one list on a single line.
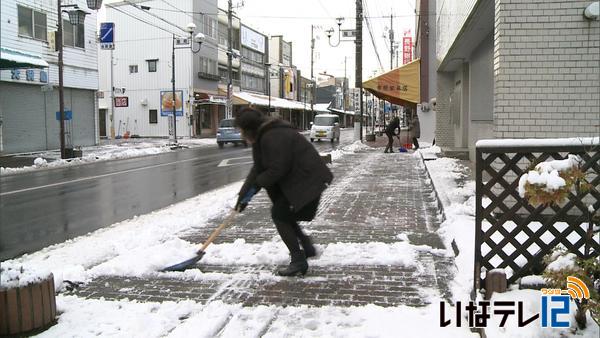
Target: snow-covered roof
[(321, 107), (538, 142), (11, 58), (263, 100), (340, 111)]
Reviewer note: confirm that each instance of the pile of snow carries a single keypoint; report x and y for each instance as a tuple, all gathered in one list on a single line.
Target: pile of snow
[(427, 150), (122, 150), (17, 275), (91, 317), (355, 147), (459, 226), (546, 174), (533, 280), (561, 261), (136, 247)]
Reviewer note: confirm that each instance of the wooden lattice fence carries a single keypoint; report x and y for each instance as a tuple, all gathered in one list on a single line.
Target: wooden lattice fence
[(511, 233)]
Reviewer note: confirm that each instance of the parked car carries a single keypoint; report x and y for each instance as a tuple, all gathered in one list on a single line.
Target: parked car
[(325, 126), (228, 133)]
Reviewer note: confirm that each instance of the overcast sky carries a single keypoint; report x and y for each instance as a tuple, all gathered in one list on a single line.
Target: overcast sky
[(293, 20)]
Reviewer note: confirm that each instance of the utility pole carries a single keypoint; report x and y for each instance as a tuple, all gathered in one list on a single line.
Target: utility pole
[(312, 79), (391, 42), (228, 112), (61, 96), (344, 87), (173, 93), (358, 75), (112, 97)]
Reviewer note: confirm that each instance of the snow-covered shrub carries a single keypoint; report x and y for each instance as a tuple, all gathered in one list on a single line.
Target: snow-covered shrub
[(562, 264), (550, 182)]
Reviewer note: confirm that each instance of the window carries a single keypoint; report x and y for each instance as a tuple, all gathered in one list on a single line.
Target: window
[(210, 26), (152, 65), (32, 23), (133, 69), (153, 118), (253, 82), (73, 35), (208, 66), (222, 34)]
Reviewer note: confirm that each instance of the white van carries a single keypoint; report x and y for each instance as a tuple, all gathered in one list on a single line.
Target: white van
[(325, 126)]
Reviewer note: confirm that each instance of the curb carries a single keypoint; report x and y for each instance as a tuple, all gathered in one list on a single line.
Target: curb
[(440, 204)]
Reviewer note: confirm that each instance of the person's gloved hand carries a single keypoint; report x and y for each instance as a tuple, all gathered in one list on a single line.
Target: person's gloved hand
[(244, 199)]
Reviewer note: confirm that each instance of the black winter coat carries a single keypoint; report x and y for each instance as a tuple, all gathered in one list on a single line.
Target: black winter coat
[(285, 160), (391, 128)]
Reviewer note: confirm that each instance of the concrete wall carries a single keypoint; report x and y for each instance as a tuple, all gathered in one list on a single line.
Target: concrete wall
[(547, 69), (481, 101)]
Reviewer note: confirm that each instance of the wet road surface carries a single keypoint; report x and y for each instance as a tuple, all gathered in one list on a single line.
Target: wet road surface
[(45, 207)]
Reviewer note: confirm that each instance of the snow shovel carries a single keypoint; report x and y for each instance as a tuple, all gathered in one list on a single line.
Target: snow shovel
[(188, 263)]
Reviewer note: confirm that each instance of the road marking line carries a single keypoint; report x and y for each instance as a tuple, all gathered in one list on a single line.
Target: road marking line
[(225, 162), (95, 177)]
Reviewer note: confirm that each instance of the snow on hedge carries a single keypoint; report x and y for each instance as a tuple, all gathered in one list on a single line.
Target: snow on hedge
[(546, 174)]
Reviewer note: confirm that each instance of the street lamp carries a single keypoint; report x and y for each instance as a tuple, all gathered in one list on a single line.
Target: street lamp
[(330, 31), (358, 44), (76, 17), (198, 38)]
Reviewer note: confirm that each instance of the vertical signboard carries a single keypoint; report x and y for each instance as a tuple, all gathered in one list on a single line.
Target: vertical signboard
[(107, 35), (406, 48)]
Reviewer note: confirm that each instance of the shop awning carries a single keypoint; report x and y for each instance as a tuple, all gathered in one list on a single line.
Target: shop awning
[(10, 58), (341, 111), (400, 86), (243, 98)]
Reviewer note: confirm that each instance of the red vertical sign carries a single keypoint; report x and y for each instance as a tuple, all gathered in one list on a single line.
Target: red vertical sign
[(406, 48)]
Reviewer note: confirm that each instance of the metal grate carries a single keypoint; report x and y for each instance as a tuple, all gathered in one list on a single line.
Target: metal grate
[(511, 233)]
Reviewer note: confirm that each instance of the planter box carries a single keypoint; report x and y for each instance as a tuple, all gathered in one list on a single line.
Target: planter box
[(27, 308)]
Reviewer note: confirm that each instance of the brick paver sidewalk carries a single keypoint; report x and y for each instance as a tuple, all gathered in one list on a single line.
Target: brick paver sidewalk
[(374, 198)]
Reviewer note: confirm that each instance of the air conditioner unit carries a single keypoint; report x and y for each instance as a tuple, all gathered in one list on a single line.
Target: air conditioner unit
[(425, 106), (144, 102)]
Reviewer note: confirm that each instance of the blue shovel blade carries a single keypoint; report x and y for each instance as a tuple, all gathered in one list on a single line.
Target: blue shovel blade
[(185, 264)]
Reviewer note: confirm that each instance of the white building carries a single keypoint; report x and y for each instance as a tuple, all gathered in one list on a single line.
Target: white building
[(514, 69), (29, 63), (142, 65)]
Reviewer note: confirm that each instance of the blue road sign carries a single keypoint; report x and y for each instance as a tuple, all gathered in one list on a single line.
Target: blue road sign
[(68, 115), (107, 35), (107, 32)]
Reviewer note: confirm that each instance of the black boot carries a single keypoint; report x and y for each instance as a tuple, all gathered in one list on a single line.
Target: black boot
[(298, 265), (309, 248)]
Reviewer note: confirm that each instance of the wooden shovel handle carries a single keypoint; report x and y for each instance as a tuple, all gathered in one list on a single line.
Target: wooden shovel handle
[(218, 230)]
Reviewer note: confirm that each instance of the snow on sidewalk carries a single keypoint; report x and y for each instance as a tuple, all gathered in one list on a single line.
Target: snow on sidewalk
[(457, 194), (381, 271)]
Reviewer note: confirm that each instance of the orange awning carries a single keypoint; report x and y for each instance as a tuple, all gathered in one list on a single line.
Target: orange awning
[(400, 86)]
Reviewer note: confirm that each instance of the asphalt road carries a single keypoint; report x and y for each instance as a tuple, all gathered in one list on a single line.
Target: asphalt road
[(46, 207)]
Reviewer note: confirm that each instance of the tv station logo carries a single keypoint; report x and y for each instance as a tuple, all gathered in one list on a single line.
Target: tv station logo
[(555, 309)]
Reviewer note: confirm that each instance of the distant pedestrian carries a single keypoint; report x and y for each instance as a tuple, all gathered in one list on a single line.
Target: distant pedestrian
[(415, 129), (390, 131), (294, 175)]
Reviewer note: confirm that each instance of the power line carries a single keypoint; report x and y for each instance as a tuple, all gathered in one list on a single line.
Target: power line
[(139, 19), (366, 8), (156, 16), (177, 9)]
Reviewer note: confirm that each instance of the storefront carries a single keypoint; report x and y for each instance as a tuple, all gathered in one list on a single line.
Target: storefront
[(29, 102)]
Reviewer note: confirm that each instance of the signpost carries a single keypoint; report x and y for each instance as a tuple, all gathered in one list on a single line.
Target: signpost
[(107, 35), (121, 101)]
